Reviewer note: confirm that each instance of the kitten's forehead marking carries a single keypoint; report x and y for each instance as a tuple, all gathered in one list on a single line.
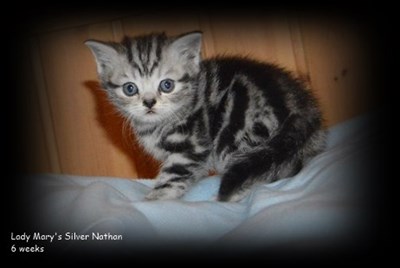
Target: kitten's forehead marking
[(145, 53)]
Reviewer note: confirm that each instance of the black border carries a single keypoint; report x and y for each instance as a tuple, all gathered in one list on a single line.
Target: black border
[(371, 19)]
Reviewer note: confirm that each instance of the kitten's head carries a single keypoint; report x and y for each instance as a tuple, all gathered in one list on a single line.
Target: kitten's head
[(149, 78)]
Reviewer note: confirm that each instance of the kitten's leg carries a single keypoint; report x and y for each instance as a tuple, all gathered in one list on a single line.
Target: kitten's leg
[(281, 157), (239, 176), (175, 178), (260, 165)]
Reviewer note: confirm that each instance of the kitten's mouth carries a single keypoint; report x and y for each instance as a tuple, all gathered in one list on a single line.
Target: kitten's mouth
[(150, 112)]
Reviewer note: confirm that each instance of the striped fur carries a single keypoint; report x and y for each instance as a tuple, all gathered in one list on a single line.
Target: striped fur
[(252, 122)]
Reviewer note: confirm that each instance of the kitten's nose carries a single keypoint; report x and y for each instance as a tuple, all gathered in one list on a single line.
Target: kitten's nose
[(149, 102)]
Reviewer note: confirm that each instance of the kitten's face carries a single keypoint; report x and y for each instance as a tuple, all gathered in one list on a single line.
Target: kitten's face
[(151, 78)]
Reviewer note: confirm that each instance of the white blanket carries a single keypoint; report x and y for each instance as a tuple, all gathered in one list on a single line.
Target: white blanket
[(321, 203)]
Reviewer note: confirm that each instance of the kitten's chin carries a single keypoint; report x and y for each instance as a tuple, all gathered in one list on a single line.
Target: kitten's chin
[(156, 116), (151, 117)]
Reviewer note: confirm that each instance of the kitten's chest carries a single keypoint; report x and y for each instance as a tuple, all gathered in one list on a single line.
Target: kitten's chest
[(151, 143)]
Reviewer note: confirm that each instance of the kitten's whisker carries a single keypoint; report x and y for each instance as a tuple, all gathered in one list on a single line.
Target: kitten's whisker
[(126, 130)]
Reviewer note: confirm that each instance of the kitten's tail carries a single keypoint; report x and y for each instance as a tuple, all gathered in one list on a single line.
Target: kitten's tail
[(283, 156)]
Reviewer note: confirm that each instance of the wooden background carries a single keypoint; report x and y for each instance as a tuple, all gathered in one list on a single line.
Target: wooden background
[(74, 130)]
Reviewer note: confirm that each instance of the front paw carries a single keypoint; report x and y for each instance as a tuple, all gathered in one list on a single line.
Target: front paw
[(164, 193)]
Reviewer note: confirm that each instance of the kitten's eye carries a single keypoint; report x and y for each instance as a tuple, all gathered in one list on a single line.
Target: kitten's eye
[(130, 89), (167, 85)]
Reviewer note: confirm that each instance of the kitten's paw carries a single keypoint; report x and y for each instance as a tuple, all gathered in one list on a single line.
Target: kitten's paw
[(155, 194), (164, 194)]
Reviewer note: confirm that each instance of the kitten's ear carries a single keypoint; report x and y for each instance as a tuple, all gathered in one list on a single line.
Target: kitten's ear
[(189, 46), (106, 56)]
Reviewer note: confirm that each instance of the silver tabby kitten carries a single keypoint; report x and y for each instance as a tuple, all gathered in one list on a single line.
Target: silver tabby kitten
[(252, 122)]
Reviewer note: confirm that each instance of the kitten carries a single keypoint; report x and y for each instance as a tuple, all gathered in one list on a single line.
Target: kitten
[(252, 122)]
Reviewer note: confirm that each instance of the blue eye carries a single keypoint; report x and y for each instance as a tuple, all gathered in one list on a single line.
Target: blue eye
[(130, 89), (167, 85)]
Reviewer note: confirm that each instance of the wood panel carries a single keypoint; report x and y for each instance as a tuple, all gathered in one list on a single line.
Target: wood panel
[(265, 39), (34, 139), (337, 61), (86, 128), (172, 25), (75, 129)]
